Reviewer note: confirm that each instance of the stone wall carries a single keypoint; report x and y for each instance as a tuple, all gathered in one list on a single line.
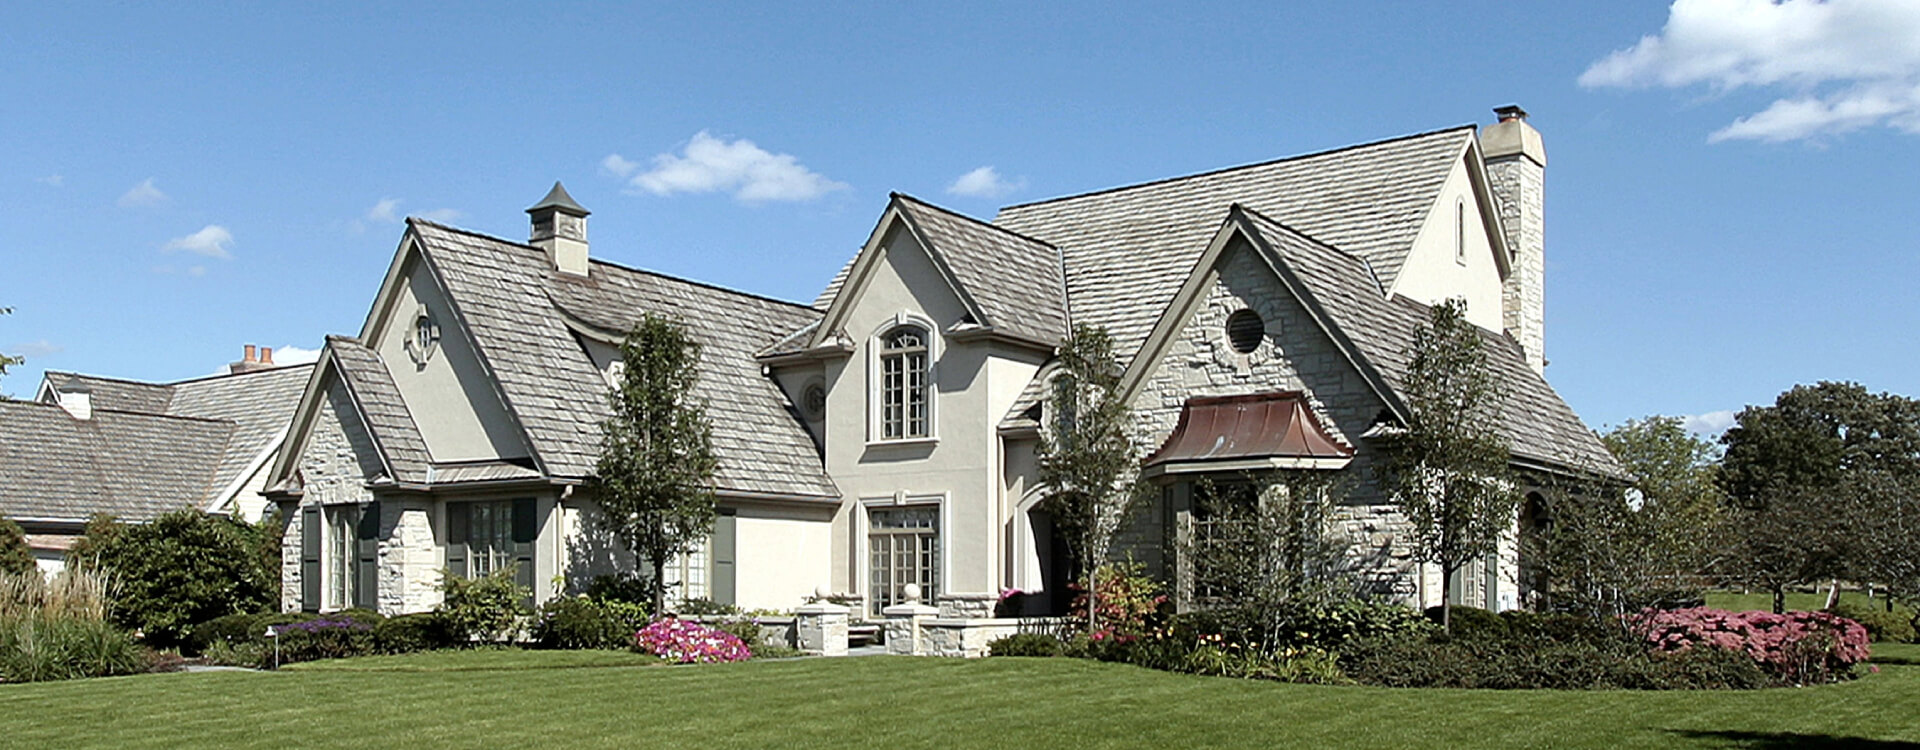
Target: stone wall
[(409, 561), (335, 463), (1519, 187)]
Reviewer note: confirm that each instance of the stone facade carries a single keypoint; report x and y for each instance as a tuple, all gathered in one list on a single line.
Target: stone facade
[(1519, 186), (334, 466), (409, 560)]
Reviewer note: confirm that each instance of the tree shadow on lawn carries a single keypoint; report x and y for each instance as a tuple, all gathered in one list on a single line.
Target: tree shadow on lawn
[(1782, 740)]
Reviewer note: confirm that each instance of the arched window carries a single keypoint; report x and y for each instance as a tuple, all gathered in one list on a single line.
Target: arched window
[(904, 409)]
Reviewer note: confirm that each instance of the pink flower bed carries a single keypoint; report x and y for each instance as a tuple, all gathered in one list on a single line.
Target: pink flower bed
[(689, 642), (1797, 647)]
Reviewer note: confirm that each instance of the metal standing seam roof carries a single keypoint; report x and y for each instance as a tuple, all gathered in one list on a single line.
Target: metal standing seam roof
[(1260, 425), (1537, 423), (516, 309), (1127, 250), (1015, 280)]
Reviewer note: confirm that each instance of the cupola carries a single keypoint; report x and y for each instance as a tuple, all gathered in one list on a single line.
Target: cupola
[(560, 228)]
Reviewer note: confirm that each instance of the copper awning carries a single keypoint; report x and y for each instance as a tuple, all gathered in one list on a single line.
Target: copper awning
[(1251, 432)]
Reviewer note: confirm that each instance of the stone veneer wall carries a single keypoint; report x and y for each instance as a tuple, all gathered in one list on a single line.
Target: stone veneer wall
[(409, 561), (1295, 355), (338, 458), (1519, 186)]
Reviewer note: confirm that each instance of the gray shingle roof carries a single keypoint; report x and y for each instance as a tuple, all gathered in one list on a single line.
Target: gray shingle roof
[(386, 414), (825, 300), (119, 395), (1538, 424), (1014, 280), (516, 309), (1128, 249), (131, 465)]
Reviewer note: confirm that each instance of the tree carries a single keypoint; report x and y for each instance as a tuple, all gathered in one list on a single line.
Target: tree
[(1087, 460), (656, 467), (1448, 467), (1819, 485), (1263, 545), (180, 570), (15, 556), (5, 360), (1675, 498)]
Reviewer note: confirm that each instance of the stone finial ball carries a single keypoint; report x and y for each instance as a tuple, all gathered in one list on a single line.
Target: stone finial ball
[(822, 593), (911, 592)]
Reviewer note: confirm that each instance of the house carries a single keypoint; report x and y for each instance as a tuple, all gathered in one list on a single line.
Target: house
[(88, 445), (885, 435)]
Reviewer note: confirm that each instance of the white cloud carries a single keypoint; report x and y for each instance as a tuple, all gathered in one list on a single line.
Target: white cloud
[(55, 180), (619, 166), (294, 355), (710, 164), (384, 211), (441, 215), (211, 241), (1710, 424), (984, 182), (33, 349), (142, 195), (1842, 65)]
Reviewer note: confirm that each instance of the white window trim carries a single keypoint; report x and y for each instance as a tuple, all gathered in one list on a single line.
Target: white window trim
[(875, 409), (863, 561)]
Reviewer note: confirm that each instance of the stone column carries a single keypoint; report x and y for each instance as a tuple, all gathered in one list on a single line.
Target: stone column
[(821, 628), (903, 626)]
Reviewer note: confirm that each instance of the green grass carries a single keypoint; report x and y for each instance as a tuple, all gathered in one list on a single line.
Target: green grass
[(1763, 601), (560, 699)]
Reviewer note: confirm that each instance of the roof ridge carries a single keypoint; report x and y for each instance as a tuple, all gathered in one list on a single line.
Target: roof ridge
[(110, 378), (1222, 170), (261, 371), (170, 384), (614, 264), (976, 220), (1336, 249)]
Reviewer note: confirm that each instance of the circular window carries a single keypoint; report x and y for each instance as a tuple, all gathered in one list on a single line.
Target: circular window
[(1245, 330), (814, 401)]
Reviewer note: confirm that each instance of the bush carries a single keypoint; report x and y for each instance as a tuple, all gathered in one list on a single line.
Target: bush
[(335, 636), (1472, 624), (706, 607), (689, 643), (490, 608), (52, 646), (1129, 602), (631, 588), (1325, 625), (1026, 644), (573, 622), (183, 568), (15, 556), (228, 629), (405, 634), (250, 654), (1895, 626), (1797, 648), (1574, 665), (744, 629)]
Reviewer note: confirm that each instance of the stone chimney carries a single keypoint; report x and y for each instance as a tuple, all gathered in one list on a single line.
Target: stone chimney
[(560, 228), (253, 358), (76, 398), (1517, 170)]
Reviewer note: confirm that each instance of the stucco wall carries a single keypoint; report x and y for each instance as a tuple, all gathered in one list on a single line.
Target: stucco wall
[(451, 399), (1434, 273)]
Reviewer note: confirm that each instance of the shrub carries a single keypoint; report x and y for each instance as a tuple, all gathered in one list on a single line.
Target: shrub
[(578, 622), (631, 588), (250, 654), (688, 643), (1310, 666), (1026, 644), (404, 634), (55, 646), (1891, 626), (1325, 625), (229, 629), (1129, 601), (490, 608), (1472, 624), (15, 556), (744, 629), (183, 568), (1573, 665), (74, 593), (1796, 648), (335, 636), (706, 607)]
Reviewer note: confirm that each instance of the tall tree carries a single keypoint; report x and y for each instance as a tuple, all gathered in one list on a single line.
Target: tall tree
[(656, 466), (5, 360), (1815, 480), (1675, 497), (1448, 467), (1087, 459)]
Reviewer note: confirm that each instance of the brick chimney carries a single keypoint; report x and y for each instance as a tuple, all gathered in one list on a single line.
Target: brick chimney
[(1517, 170), (254, 358), (560, 228)]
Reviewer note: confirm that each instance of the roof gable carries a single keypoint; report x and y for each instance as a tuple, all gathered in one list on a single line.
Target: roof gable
[(1012, 282)]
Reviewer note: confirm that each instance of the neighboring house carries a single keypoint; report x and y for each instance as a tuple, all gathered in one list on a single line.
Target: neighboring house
[(886, 435), (88, 445)]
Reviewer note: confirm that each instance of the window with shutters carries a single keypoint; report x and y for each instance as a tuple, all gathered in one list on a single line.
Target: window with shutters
[(343, 522), (904, 395), (903, 546), (489, 537)]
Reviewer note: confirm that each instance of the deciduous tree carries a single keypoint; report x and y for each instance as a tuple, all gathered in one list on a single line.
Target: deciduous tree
[(657, 465), (1087, 459)]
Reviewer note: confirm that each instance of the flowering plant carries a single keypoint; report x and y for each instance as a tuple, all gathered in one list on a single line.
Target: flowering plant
[(689, 642), (1128, 600), (1797, 647)]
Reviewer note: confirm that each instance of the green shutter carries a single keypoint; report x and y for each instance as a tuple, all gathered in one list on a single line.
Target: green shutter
[(310, 526), (457, 539), (366, 584), (526, 529), (723, 555)]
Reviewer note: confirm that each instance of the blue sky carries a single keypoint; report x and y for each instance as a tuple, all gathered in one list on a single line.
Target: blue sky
[(1730, 208)]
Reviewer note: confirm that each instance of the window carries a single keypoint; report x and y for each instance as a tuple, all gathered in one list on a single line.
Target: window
[(904, 547), (489, 537), (343, 523), (1246, 330), (1460, 231), (904, 410)]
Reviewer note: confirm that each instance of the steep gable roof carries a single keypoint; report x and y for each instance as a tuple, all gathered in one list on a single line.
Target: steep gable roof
[(523, 318), (1013, 281), (1128, 249), (385, 413), (131, 465)]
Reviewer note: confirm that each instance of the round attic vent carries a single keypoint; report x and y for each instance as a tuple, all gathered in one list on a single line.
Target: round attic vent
[(1245, 330)]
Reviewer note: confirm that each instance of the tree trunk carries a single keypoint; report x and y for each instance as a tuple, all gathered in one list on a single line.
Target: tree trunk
[(1446, 597), (659, 586), (1833, 594), (1780, 600)]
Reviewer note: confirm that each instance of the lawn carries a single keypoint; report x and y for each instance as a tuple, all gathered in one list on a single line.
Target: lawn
[(587, 699)]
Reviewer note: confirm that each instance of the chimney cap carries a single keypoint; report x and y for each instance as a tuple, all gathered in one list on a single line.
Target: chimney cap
[(1510, 112), (558, 200)]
